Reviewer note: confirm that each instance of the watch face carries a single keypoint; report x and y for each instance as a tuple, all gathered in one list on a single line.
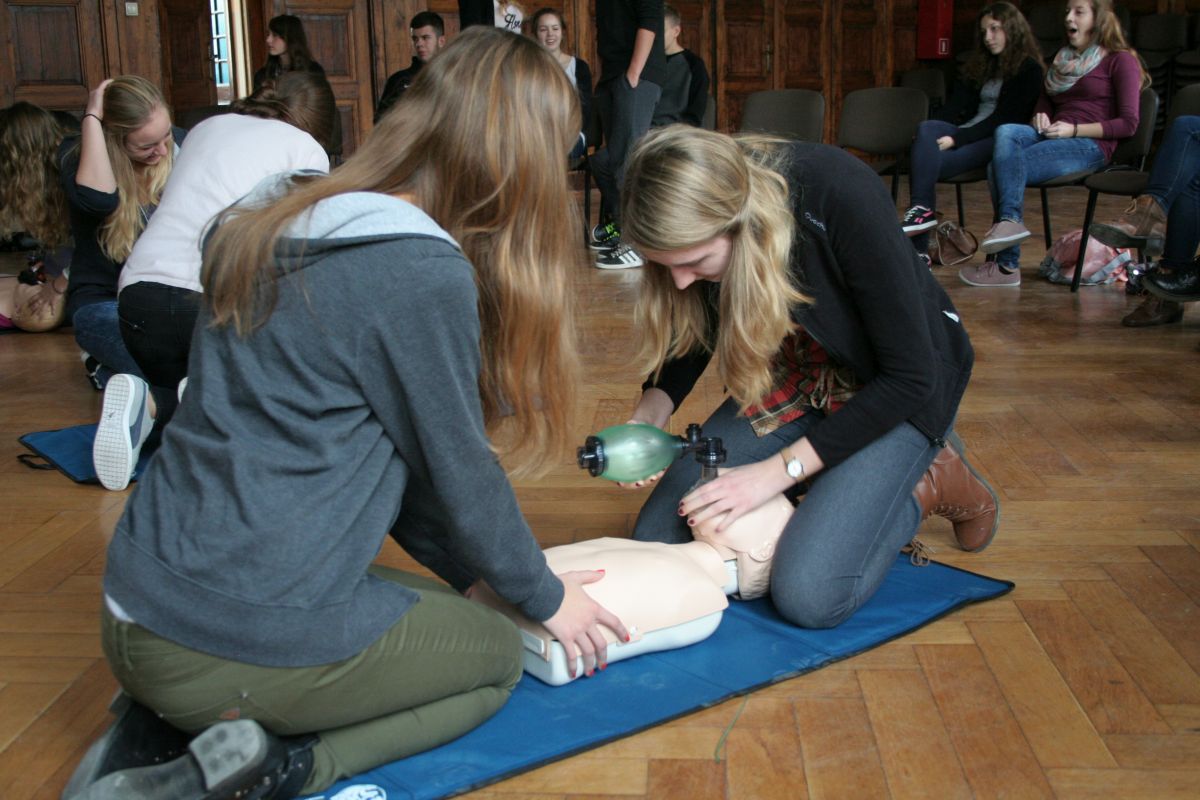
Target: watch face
[(795, 468)]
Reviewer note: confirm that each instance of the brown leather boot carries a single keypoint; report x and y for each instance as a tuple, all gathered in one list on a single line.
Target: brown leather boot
[(950, 488), (1143, 226)]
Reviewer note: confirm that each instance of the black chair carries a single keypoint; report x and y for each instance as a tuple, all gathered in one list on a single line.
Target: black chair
[(1130, 154), (593, 134), (709, 123), (1128, 182), (1048, 23), (929, 80), (1158, 39), (793, 113), (882, 122)]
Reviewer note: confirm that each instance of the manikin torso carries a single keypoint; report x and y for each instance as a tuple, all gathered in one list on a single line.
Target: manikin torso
[(667, 595)]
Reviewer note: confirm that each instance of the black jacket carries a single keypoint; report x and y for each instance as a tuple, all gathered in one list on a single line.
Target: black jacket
[(397, 84), (876, 308), (1018, 95)]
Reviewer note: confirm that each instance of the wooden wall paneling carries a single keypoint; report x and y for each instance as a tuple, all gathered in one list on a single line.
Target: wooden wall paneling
[(136, 41), (44, 59), (339, 36), (745, 56), (859, 44), (188, 79), (803, 50)]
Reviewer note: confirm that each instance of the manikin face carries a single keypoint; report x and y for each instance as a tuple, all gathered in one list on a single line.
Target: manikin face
[(994, 38), (1081, 22), (276, 46), (706, 261), (549, 33), (426, 42), (149, 144)]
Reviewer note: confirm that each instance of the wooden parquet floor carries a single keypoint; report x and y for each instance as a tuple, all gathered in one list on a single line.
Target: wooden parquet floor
[(1084, 682)]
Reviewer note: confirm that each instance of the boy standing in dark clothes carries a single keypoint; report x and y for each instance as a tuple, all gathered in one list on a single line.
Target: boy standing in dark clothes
[(632, 68), (685, 87)]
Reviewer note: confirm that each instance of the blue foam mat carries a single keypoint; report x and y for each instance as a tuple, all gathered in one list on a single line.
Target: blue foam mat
[(752, 648), (70, 451)]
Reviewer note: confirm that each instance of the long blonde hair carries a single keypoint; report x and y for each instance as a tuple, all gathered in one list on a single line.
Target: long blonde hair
[(481, 147), (128, 103), (685, 186), (30, 194)]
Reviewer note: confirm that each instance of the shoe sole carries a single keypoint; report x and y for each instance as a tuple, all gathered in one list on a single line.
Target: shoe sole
[(913, 230), (221, 762), (620, 266), (958, 445), (993, 246), (112, 451), (602, 246), (1114, 237)]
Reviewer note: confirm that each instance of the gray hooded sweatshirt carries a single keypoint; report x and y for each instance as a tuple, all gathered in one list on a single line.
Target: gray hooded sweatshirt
[(353, 412)]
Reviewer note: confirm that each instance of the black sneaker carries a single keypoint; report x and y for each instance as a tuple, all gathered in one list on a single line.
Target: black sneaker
[(918, 219), (620, 257), (605, 237)]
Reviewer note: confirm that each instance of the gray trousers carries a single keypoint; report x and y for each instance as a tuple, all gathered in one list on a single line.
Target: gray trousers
[(625, 114), (445, 667)]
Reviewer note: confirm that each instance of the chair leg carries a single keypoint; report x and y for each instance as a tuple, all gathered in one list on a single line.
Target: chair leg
[(1046, 217), (962, 216), (1083, 240), (587, 203)]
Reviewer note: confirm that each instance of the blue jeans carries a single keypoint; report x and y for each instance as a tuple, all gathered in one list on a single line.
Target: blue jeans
[(928, 165), (98, 332), (844, 535), (1021, 157), (1175, 184)]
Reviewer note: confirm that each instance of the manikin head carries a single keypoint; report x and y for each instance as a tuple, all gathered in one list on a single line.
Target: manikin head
[(751, 541)]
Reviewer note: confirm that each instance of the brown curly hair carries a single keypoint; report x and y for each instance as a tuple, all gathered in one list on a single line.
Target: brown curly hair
[(30, 194), (1020, 45)]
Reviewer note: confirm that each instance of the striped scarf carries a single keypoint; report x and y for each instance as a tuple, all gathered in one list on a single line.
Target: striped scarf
[(1069, 66)]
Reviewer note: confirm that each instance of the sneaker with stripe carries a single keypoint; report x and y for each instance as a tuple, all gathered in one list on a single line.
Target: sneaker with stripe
[(918, 219), (605, 237), (125, 423), (620, 257)]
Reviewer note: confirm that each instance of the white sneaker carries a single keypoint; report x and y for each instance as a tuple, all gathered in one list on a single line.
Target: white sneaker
[(125, 423), (620, 257)]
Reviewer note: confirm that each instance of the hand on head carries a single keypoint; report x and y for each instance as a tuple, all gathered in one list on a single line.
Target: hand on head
[(95, 103)]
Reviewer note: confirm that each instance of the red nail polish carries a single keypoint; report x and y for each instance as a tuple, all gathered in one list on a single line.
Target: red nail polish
[(600, 571), (604, 666), (627, 637), (588, 673)]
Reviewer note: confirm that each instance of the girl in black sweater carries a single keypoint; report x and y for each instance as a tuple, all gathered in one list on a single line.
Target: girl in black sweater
[(1000, 84), (843, 359)]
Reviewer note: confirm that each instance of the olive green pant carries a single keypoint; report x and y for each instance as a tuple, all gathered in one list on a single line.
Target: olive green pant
[(441, 670)]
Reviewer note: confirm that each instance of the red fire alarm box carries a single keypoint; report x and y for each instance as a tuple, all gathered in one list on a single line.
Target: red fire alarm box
[(935, 25)]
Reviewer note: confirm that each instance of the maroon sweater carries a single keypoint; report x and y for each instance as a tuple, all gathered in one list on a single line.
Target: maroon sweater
[(1109, 94)]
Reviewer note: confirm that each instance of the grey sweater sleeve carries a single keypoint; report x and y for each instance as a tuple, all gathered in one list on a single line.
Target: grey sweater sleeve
[(418, 361)]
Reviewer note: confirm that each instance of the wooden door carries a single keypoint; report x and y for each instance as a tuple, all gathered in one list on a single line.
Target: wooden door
[(832, 48), (188, 80), (54, 52), (339, 35), (746, 59)]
